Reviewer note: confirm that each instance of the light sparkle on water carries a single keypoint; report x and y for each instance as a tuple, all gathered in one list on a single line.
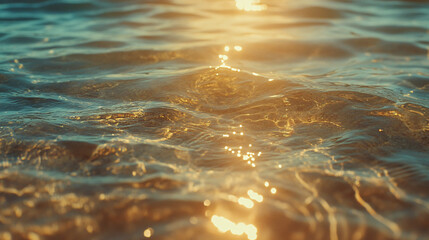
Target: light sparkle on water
[(250, 5), (224, 225)]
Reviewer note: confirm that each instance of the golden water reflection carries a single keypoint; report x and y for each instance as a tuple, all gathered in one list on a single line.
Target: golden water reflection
[(250, 5), (246, 202), (224, 225), (255, 196), (148, 232), (242, 150), (223, 57)]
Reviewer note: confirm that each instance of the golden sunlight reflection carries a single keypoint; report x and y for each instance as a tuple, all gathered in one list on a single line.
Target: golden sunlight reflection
[(224, 225), (223, 58), (245, 202), (223, 64), (255, 196), (148, 232), (242, 152), (250, 5)]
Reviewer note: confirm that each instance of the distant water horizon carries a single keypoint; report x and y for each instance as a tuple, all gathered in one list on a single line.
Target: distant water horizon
[(245, 119)]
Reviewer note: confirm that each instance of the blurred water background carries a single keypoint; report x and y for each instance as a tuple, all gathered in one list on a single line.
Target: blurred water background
[(222, 119)]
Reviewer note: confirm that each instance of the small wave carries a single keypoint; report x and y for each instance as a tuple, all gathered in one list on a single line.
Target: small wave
[(219, 119)]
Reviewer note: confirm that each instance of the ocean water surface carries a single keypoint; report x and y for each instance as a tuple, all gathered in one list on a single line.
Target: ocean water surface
[(222, 119)]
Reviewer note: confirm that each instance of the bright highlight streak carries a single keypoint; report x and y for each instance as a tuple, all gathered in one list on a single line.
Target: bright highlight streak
[(245, 202), (255, 196), (224, 225), (223, 57), (250, 5)]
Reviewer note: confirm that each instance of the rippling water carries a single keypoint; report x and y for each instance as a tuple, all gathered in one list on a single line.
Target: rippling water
[(168, 119)]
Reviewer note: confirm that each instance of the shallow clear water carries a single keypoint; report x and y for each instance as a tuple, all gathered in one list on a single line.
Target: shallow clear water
[(215, 119)]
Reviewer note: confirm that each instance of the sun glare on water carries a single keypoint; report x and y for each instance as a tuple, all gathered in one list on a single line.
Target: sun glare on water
[(250, 5), (224, 225)]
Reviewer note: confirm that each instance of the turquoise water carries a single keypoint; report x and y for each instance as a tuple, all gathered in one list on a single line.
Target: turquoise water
[(214, 119)]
